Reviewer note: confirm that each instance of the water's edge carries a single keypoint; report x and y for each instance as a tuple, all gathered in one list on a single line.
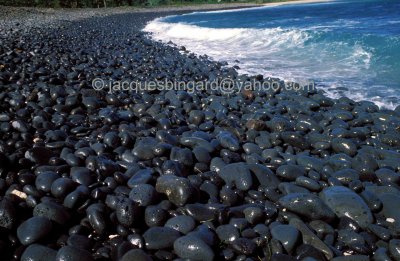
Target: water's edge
[(160, 30)]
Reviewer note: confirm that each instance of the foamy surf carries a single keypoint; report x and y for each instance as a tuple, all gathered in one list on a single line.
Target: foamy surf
[(314, 51)]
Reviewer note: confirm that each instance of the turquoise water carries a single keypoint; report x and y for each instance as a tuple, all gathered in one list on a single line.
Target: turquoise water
[(349, 48)]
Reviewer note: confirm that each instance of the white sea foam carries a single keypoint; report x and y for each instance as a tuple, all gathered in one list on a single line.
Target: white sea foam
[(278, 52)]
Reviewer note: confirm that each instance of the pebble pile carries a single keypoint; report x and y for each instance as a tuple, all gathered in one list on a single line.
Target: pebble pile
[(172, 175)]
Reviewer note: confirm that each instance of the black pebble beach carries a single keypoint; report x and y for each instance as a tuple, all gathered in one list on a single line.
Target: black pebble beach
[(170, 175)]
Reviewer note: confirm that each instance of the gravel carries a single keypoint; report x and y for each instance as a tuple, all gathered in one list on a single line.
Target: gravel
[(255, 175)]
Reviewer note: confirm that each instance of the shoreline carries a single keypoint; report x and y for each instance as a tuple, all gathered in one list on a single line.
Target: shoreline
[(9, 12), (297, 2), (135, 176), (35, 17)]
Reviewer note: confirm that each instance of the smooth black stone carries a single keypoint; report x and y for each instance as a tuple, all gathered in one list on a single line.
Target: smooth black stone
[(62, 186), (290, 172), (52, 211), (346, 176), (287, 235), (140, 177), (308, 205), (309, 251), (345, 202), (340, 145), (36, 252), (143, 194), (144, 148), (191, 247), (227, 233), (137, 255), (200, 212), (243, 246), (237, 174), (204, 233), (155, 216), (96, 215), (183, 156), (310, 238), (308, 183), (181, 223), (178, 190), (160, 237), (81, 175), (33, 230), (228, 141), (80, 241), (127, 212), (69, 253), (394, 248)]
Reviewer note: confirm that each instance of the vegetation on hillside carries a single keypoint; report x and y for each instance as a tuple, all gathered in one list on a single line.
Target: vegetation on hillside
[(114, 3)]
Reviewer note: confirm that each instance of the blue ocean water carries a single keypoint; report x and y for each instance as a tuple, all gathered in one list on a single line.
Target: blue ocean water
[(349, 47)]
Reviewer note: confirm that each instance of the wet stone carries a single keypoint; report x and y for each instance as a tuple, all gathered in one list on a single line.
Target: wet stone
[(143, 194), (80, 241), (228, 141), (308, 252), (44, 180), (62, 186), (310, 163), (160, 237), (96, 216), (381, 254), (308, 205), (350, 238), (345, 202), (253, 215), (52, 211), (191, 247), (155, 216), (345, 176), (287, 235), (178, 190), (310, 238), (144, 148), (379, 231), (127, 212), (36, 252), (243, 246), (387, 175), (373, 202), (289, 188), (181, 223), (137, 255), (237, 174), (290, 172), (140, 177), (390, 207), (81, 175), (33, 230), (394, 248), (199, 212), (227, 233), (69, 253), (340, 145)]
